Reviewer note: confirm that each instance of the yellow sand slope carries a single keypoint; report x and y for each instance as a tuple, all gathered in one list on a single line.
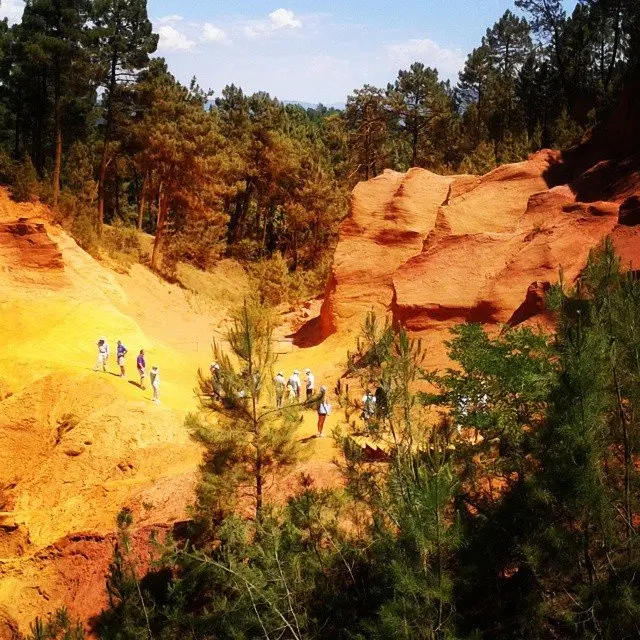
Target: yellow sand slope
[(77, 445)]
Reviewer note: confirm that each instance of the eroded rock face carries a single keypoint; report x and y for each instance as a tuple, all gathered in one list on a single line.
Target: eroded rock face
[(25, 244), (391, 216), (435, 251)]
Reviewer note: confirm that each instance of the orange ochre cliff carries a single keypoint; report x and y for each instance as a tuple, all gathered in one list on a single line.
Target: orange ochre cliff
[(433, 251)]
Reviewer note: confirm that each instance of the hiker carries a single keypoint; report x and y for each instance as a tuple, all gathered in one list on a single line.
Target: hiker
[(462, 412), (154, 377), (215, 378), (103, 355), (324, 409), (368, 406), (382, 402), (141, 365), (279, 384), (121, 352), (310, 383), (294, 386)]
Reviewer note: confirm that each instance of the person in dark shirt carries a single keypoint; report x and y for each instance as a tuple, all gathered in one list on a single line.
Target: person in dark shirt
[(120, 354), (142, 365)]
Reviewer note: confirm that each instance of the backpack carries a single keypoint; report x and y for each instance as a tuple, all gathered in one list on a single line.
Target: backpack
[(324, 409)]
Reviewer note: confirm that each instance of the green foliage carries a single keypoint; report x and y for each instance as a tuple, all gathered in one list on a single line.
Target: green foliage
[(25, 187), (275, 283), (122, 244), (566, 133), (57, 626), (127, 616), (257, 441), (481, 161)]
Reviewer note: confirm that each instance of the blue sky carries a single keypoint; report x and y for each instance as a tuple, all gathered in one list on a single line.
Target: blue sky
[(313, 51)]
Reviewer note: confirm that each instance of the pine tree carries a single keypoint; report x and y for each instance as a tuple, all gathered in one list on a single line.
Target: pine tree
[(256, 440), (53, 36), (416, 99), (123, 42)]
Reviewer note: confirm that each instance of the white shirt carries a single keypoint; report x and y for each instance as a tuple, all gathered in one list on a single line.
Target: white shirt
[(310, 381), (368, 403)]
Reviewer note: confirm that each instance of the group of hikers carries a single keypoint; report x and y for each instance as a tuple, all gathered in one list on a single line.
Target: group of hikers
[(288, 391), (293, 389), (141, 365)]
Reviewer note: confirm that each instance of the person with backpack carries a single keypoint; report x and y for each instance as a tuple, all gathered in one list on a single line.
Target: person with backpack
[(154, 377), (121, 352), (279, 386), (324, 409), (294, 386), (141, 366), (103, 355)]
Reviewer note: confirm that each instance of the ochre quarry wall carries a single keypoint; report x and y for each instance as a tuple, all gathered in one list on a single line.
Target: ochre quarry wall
[(434, 251), (76, 446)]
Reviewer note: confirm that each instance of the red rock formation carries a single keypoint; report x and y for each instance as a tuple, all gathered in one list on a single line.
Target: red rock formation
[(437, 251)]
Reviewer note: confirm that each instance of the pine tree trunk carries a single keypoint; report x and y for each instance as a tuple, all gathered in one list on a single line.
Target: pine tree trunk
[(18, 124), (616, 44), (414, 145), (142, 199), (57, 164), (102, 175), (162, 217)]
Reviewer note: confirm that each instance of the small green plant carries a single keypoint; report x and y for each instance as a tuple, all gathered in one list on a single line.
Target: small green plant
[(57, 626), (24, 187)]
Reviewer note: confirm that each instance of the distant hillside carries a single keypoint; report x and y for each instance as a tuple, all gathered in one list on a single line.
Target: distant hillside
[(310, 105)]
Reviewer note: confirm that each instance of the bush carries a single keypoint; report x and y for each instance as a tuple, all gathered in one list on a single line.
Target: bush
[(78, 217), (275, 284), (480, 161), (7, 168), (271, 277), (246, 250), (122, 243), (25, 185), (198, 243)]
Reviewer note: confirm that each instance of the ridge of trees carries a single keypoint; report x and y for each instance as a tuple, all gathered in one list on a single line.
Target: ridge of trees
[(93, 124)]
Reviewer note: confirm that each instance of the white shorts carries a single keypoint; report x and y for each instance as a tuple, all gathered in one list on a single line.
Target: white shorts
[(121, 361)]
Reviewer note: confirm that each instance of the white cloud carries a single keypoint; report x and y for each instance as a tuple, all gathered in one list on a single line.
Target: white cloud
[(211, 33), (276, 21), (12, 9), (282, 18), (173, 40), (173, 18), (447, 61)]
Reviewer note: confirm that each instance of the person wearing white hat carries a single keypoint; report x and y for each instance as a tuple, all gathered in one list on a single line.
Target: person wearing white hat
[(294, 386), (154, 378), (310, 383), (279, 384), (103, 354)]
